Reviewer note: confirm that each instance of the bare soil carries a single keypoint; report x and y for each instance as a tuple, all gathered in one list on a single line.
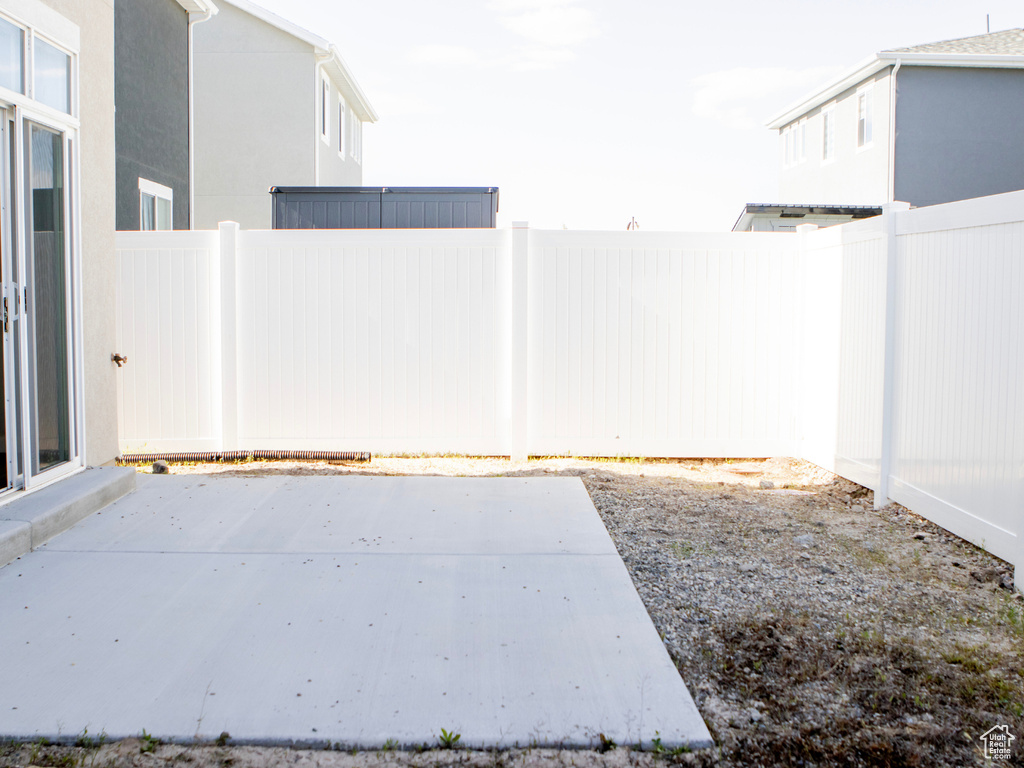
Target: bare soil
[(811, 629)]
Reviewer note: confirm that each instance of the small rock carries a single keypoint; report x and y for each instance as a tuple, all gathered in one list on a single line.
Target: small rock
[(1006, 582), (857, 508), (160, 467), (767, 485), (748, 568), (805, 540), (755, 716), (921, 536), (985, 575)]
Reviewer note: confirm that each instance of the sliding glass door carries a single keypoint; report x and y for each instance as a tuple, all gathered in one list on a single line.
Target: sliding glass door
[(35, 271)]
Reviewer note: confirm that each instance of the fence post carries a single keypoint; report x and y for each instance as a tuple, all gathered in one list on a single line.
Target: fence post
[(890, 212), (228, 337), (520, 380)]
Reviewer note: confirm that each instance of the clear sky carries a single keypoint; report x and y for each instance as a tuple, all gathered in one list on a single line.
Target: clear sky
[(587, 113)]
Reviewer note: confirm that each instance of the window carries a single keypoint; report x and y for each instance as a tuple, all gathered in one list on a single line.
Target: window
[(156, 203), (828, 133), (325, 114), (356, 129), (864, 108), (49, 81), (800, 142), (52, 68), (12, 56), (341, 126)]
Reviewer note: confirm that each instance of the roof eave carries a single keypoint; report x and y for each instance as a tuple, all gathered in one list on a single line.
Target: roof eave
[(199, 6), (325, 49), (833, 88), (343, 78), (885, 59)]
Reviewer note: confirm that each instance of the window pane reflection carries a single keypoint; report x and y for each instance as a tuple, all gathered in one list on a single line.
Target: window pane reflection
[(12, 48), (47, 289), (52, 76)]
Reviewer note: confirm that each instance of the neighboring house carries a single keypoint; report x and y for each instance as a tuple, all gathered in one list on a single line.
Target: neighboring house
[(59, 408), (275, 105), (152, 40), (925, 125), (762, 217)]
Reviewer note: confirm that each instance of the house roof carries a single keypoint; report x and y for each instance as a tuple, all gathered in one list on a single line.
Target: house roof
[(334, 64), (1009, 42), (1001, 50)]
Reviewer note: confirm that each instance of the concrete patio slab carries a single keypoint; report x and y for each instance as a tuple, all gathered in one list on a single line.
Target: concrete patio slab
[(497, 608), (55, 508)]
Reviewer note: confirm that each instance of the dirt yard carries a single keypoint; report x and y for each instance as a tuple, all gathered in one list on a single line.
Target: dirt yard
[(810, 629)]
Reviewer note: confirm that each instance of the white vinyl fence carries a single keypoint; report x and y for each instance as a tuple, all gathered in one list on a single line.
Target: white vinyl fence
[(889, 350)]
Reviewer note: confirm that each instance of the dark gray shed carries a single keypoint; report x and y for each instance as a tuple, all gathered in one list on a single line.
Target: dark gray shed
[(384, 207)]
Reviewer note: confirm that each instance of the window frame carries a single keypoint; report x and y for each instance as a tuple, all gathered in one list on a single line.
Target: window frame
[(53, 36), (828, 134), (325, 109), (156, 191), (356, 133), (342, 132), (865, 136)]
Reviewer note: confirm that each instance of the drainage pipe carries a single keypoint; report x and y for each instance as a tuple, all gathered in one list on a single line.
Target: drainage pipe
[(195, 457)]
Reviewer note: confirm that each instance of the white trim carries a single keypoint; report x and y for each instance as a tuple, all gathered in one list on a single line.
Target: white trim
[(156, 190), (343, 122), (42, 18)]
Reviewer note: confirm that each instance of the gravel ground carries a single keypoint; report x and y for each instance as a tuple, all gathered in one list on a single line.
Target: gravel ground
[(810, 629)]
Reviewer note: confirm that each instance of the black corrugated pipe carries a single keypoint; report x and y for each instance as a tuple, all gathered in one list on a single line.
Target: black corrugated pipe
[(196, 457)]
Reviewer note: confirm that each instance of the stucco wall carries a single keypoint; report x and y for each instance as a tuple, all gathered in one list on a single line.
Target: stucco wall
[(857, 175), (958, 133), (337, 170), (254, 117), (95, 19), (151, 92)]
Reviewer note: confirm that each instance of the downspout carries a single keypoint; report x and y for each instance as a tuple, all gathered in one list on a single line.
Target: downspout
[(318, 95), (892, 132), (192, 21)]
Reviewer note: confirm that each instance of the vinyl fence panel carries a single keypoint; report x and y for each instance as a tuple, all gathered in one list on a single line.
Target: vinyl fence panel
[(168, 324), (662, 344), (381, 341)]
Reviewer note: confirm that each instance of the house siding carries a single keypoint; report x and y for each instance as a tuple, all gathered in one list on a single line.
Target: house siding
[(857, 175), (151, 92), (255, 117), (958, 133)]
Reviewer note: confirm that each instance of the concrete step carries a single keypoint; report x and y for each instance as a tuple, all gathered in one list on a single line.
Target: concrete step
[(32, 518)]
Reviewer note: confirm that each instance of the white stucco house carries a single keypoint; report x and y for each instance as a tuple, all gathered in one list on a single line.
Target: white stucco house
[(927, 124), (274, 105)]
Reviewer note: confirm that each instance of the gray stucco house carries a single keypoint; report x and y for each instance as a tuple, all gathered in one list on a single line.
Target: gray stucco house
[(275, 105), (927, 124), (153, 98)]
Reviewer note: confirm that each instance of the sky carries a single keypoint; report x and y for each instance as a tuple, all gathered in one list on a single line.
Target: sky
[(590, 113)]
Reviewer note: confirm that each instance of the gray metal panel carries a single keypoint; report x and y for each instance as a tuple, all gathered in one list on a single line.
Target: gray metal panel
[(958, 133), (387, 208)]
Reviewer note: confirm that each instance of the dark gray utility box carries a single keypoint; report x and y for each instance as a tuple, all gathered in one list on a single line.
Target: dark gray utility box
[(384, 207)]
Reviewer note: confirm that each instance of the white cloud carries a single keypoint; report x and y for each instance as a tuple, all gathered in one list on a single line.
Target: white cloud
[(553, 25), (533, 59), (552, 29), (743, 97), (443, 54)]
